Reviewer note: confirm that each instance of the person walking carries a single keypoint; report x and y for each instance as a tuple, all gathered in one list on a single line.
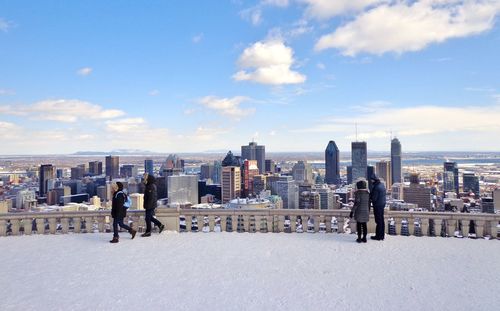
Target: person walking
[(150, 204), (361, 210), (378, 200), (118, 211)]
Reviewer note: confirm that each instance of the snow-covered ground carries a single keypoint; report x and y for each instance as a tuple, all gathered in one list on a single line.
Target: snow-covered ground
[(242, 271)]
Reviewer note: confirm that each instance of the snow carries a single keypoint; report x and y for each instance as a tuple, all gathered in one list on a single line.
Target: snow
[(244, 271)]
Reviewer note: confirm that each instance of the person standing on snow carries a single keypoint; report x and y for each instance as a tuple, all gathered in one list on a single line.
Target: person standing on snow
[(150, 204), (118, 211), (378, 201)]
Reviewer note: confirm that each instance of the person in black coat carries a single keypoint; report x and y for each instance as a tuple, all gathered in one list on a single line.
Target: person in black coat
[(118, 211), (150, 204), (378, 200)]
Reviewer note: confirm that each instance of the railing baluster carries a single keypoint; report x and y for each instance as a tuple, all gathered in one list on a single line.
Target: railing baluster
[(3, 227), (89, 224), (494, 229), (40, 225), (28, 225), (15, 226), (480, 228), (64, 225)]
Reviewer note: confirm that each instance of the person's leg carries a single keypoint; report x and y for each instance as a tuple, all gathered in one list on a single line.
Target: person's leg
[(358, 229), (148, 220), (115, 227), (379, 219), (365, 231), (123, 225)]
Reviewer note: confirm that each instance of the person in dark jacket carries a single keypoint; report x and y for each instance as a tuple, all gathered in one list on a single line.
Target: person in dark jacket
[(377, 199), (361, 210), (118, 211), (150, 204)]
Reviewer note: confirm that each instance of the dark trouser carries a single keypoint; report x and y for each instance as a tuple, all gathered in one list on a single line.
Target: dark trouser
[(378, 212), (119, 222), (361, 228), (149, 218)]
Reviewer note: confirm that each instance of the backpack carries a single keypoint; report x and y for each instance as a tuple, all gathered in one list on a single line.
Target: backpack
[(128, 202)]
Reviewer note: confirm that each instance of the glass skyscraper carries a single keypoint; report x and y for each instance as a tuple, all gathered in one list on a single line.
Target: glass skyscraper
[(359, 158), (395, 161), (332, 167), (255, 152)]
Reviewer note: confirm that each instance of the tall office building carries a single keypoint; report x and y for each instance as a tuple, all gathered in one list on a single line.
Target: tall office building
[(113, 166), (255, 152), (396, 165), (450, 177), (302, 172), (259, 183), (349, 174), (270, 166), (250, 170), (231, 183), (129, 170), (496, 198), (289, 193), (217, 172), (95, 168), (359, 159), (77, 172), (383, 170), (332, 166), (487, 205), (149, 166), (417, 193), (47, 172), (183, 189), (471, 183), (206, 171)]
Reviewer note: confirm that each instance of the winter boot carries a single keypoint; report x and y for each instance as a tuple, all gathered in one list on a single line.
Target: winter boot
[(132, 232), (161, 228), (146, 234), (363, 239), (114, 240)]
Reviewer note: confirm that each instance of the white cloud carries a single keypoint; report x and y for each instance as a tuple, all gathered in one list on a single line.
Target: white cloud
[(62, 110), (85, 71), (5, 25), (321, 66), (278, 3), (271, 63), (227, 106), (324, 9), (197, 38), (6, 92), (154, 92), (253, 15), (410, 26)]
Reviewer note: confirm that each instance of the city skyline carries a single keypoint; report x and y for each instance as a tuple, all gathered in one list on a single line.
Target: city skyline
[(167, 77)]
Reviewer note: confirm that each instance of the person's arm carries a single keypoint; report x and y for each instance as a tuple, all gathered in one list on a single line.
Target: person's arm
[(355, 206), (120, 200), (374, 195)]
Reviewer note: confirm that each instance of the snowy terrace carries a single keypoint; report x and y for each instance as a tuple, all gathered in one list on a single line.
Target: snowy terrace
[(45, 269)]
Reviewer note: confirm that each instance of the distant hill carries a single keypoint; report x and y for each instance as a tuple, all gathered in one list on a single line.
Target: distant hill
[(116, 152)]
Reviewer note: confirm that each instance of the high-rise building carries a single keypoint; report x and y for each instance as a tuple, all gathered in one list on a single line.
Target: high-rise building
[(149, 166), (60, 173), (272, 180), (77, 173), (129, 170), (302, 172), (289, 193), (270, 166), (450, 177), (396, 166), (383, 169), (332, 166), (250, 170), (217, 172), (471, 183), (487, 205), (231, 183), (95, 168), (359, 159), (206, 171), (309, 200), (26, 199), (496, 198), (230, 160), (259, 183), (417, 193), (349, 174), (183, 189), (47, 172), (327, 198), (112, 166), (255, 152)]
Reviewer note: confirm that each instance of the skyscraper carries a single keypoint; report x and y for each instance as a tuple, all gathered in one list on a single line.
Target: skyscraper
[(231, 183), (417, 193), (250, 170), (302, 172), (450, 177), (289, 193), (359, 160), (395, 162), (183, 189), (47, 172), (383, 169), (471, 183), (332, 175), (255, 152), (95, 168), (112, 166), (129, 170), (270, 166), (149, 166)]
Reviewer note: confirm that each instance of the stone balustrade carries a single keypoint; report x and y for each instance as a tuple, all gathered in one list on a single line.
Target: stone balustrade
[(264, 221)]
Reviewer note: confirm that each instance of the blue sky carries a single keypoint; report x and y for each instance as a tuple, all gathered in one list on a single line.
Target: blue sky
[(183, 76)]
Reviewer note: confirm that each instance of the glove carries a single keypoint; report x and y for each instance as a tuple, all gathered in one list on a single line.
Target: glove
[(351, 215)]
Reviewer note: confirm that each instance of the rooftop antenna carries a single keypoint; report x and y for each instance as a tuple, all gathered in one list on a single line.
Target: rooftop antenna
[(390, 131), (356, 126)]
